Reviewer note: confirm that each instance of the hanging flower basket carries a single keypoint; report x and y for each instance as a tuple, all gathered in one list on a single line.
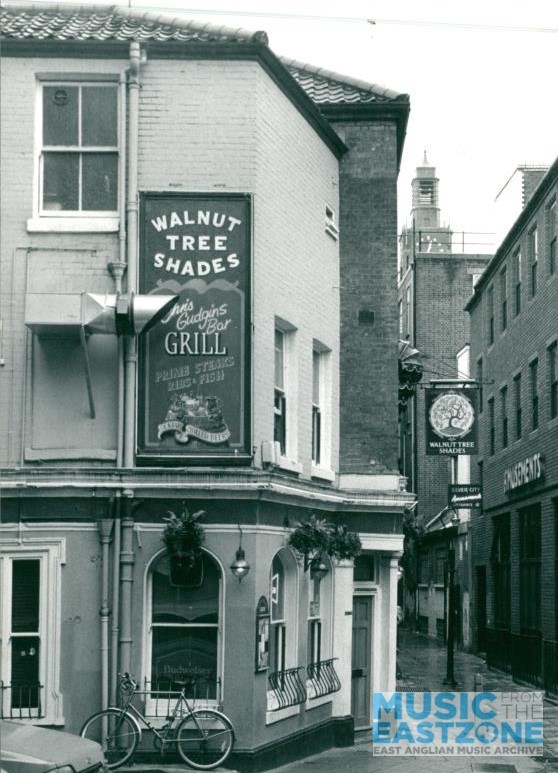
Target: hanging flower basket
[(183, 536), (317, 536)]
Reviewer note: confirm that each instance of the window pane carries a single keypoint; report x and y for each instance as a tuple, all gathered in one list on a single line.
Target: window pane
[(279, 359), (61, 181), (25, 596), (182, 653), (98, 116), (316, 378), (186, 604), (277, 589), (25, 672), (100, 175), (60, 115)]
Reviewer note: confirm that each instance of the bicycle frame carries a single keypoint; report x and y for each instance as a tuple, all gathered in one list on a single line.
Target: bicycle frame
[(162, 733)]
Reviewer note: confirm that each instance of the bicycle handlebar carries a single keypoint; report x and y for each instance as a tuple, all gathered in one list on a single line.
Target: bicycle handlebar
[(127, 682)]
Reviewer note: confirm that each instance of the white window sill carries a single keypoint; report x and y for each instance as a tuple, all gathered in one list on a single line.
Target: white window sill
[(322, 472), (40, 721), (72, 224), (290, 465), (313, 703), (276, 716)]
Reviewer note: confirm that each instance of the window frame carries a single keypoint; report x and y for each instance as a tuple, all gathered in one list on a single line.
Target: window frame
[(503, 298), (52, 556), (491, 427), (74, 220), (534, 392), (533, 249), (491, 321), (518, 419), (157, 707), (530, 569), (517, 279), (504, 415), (551, 234), (552, 364)]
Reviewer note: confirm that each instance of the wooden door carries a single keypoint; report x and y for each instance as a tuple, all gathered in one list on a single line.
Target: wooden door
[(361, 697)]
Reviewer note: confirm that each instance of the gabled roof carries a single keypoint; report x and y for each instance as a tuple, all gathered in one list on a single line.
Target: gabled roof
[(327, 87), (65, 23), (101, 22)]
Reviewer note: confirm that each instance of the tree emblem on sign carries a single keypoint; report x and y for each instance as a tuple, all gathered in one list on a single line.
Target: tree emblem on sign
[(451, 415)]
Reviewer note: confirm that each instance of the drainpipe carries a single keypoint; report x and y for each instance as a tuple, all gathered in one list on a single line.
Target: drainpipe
[(130, 363), (105, 528), (117, 270)]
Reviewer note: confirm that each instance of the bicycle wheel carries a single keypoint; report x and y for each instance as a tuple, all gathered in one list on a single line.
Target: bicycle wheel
[(116, 732), (204, 739)]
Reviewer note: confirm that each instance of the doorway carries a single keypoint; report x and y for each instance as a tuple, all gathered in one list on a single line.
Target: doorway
[(361, 677)]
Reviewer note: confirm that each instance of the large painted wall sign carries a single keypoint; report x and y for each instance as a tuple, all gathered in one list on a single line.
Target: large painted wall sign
[(194, 384)]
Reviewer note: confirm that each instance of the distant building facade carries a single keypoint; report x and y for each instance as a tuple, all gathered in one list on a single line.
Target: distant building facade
[(436, 280), (159, 157), (514, 336)]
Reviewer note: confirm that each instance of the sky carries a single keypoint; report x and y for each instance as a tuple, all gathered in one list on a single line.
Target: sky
[(481, 76)]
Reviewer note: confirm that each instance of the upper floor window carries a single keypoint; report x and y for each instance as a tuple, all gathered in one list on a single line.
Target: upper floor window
[(480, 370), (534, 378), (518, 408), (491, 314), (491, 428), (504, 405), (280, 396), (551, 230), (553, 379), (504, 298), (517, 280), (316, 407), (533, 242), (77, 155)]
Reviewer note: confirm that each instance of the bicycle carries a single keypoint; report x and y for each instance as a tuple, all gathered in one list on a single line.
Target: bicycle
[(203, 737)]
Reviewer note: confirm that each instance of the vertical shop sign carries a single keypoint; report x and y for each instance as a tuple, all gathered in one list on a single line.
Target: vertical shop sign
[(451, 421), (194, 383)]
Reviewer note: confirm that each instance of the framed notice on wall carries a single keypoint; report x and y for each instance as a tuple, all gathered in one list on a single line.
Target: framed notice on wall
[(194, 371)]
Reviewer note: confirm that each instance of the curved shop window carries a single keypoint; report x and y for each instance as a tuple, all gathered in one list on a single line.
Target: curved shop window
[(184, 630)]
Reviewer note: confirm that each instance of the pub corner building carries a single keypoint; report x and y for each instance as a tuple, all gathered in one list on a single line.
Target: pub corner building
[(199, 313)]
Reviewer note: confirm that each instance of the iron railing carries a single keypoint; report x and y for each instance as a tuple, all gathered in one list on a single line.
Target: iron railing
[(21, 701), (322, 678), (287, 687)]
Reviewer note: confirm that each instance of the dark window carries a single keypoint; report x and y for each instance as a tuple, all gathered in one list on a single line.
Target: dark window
[(491, 428), (530, 569), (504, 407), (517, 400), (491, 314), (440, 568), (551, 228), (280, 398), (533, 241), (504, 298), (79, 158), (480, 467), (24, 641), (316, 407), (553, 380), (184, 626), (479, 379), (501, 556), (517, 280), (534, 378)]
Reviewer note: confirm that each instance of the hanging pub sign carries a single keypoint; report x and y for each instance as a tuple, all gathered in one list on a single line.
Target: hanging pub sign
[(451, 421), (194, 382)]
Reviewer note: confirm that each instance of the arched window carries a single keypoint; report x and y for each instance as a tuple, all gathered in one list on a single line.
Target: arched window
[(282, 604), (184, 628)]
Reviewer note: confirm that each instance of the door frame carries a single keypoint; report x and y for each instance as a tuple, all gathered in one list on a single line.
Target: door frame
[(373, 594)]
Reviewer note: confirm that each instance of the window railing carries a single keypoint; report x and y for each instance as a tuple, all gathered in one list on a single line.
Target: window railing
[(287, 689), (21, 701), (322, 678)]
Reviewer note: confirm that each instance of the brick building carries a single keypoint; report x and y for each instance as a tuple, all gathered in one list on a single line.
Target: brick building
[(514, 335), (436, 279), (189, 165)]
